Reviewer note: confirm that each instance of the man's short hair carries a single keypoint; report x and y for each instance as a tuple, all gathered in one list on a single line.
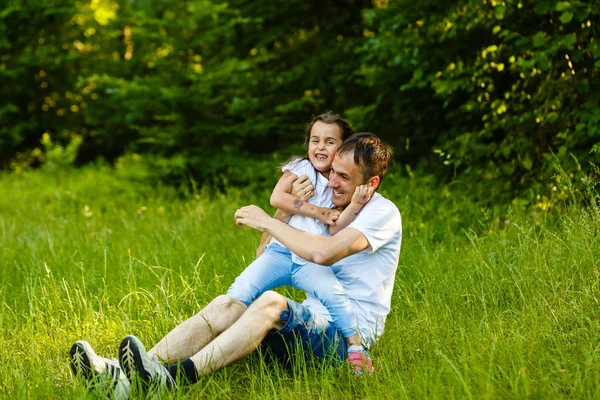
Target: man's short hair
[(370, 154), (329, 117)]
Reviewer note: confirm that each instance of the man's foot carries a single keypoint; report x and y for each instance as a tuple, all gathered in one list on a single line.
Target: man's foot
[(360, 362), (138, 363), (104, 375)]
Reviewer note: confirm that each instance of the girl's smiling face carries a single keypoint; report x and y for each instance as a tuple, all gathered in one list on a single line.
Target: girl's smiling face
[(323, 142)]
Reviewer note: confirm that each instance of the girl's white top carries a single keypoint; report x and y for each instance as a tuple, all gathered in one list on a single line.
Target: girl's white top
[(321, 198)]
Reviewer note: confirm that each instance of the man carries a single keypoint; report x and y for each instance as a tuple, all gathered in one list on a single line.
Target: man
[(364, 257)]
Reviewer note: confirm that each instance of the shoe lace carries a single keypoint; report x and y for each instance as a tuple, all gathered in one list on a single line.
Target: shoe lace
[(127, 356), (78, 361)]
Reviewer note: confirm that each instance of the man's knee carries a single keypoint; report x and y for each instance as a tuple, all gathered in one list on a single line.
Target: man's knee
[(224, 304), (269, 305), (224, 300)]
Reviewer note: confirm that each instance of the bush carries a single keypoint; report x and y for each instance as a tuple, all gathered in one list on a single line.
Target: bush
[(496, 89)]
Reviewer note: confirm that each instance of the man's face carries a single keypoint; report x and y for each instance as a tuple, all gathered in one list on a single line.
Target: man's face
[(344, 177)]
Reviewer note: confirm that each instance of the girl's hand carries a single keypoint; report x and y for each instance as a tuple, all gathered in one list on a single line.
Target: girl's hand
[(328, 216), (362, 195), (303, 188)]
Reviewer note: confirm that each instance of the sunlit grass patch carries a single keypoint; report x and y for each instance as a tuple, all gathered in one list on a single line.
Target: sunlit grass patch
[(488, 303)]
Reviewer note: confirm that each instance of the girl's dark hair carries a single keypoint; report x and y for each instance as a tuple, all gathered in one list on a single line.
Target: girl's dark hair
[(329, 117)]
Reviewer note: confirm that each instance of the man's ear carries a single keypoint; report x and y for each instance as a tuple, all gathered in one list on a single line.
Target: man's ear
[(374, 182)]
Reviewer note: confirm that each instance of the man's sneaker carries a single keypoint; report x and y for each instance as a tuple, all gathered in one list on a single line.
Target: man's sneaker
[(103, 374), (360, 362), (137, 363)]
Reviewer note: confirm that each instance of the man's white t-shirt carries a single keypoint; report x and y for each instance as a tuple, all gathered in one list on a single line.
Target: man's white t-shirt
[(321, 198), (368, 276)]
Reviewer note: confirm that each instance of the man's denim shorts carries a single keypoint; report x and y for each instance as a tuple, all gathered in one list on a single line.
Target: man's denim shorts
[(305, 331)]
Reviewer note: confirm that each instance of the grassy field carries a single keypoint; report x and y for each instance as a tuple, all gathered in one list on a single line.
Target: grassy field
[(489, 302)]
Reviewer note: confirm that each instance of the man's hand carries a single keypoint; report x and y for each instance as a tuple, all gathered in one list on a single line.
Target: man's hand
[(303, 188), (253, 217)]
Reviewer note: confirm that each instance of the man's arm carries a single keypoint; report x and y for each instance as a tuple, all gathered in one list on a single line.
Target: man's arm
[(318, 249), (302, 189)]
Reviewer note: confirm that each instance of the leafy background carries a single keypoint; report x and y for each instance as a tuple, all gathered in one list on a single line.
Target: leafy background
[(118, 119), (219, 92)]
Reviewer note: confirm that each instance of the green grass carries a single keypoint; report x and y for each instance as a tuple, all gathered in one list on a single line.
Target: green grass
[(494, 302)]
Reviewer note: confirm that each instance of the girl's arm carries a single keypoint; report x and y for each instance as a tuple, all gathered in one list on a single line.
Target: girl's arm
[(362, 195), (302, 189), (285, 201)]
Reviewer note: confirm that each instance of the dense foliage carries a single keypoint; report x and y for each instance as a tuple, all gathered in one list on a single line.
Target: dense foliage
[(210, 89), (498, 85)]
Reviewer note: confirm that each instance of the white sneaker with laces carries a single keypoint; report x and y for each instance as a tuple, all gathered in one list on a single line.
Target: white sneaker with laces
[(104, 374), (137, 362)]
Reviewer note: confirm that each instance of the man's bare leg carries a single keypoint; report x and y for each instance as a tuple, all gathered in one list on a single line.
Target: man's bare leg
[(244, 336), (189, 337)]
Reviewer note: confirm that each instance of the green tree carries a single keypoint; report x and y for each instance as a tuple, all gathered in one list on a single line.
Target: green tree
[(496, 87), (37, 57)]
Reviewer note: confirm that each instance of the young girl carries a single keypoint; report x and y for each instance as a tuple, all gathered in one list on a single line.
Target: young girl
[(277, 265)]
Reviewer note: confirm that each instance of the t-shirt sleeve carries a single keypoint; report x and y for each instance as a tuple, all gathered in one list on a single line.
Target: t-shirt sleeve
[(298, 167), (379, 222)]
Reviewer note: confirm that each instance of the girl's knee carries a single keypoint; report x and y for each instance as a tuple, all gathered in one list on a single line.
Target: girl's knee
[(241, 291), (325, 290)]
